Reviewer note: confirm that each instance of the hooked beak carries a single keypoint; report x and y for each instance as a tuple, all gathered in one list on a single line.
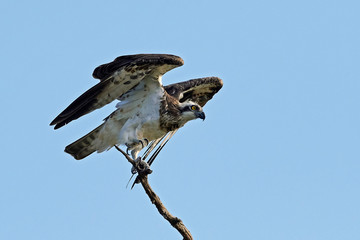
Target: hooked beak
[(200, 115)]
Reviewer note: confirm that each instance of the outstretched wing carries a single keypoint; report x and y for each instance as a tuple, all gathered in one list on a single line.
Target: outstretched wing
[(199, 90), (117, 78)]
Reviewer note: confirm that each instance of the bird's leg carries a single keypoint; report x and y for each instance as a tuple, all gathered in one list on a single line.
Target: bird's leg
[(132, 146), (136, 146), (139, 165)]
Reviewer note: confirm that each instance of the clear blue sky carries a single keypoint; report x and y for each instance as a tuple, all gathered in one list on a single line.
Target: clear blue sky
[(277, 157)]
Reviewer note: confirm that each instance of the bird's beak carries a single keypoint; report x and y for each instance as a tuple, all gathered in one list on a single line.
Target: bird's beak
[(200, 115)]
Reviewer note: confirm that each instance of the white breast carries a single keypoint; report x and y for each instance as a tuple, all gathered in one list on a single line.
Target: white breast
[(137, 116)]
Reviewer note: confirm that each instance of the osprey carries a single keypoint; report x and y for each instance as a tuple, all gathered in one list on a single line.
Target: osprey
[(147, 113)]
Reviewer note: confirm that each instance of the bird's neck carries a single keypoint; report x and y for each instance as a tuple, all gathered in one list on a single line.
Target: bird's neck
[(170, 113)]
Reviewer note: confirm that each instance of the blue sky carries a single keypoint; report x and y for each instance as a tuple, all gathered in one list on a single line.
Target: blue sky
[(276, 158)]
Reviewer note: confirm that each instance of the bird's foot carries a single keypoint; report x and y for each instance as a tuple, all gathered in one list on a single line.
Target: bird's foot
[(141, 167), (136, 144)]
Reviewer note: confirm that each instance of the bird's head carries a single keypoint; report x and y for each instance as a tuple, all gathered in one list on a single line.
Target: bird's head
[(191, 110)]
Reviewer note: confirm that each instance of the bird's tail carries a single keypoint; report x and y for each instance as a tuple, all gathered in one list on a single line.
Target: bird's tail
[(85, 145)]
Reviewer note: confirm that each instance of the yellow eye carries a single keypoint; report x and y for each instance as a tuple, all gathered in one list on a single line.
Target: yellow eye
[(193, 107)]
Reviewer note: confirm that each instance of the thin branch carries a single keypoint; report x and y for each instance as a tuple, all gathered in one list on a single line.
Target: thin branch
[(127, 156), (143, 178), (174, 221)]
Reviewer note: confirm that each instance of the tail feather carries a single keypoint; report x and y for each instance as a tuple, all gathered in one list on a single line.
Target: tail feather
[(85, 145)]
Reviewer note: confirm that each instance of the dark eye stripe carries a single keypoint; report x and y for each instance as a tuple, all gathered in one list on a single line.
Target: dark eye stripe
[(191, 108)]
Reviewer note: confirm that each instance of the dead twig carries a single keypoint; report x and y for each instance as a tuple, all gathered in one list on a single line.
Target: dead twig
[(143, 178)]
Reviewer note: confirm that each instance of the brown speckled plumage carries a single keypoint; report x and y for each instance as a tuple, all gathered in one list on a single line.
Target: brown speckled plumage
[(146, 109), (169, 113)]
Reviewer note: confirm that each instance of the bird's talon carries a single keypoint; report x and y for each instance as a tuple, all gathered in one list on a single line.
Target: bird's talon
[(141, 167)]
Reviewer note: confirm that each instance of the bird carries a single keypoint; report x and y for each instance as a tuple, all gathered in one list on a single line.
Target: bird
[(147, 115)]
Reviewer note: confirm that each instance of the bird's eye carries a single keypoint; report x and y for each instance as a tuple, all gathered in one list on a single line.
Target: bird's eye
[(193, 107)]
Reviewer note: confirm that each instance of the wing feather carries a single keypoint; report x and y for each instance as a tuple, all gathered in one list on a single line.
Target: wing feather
[(117, 78), (199, 90)]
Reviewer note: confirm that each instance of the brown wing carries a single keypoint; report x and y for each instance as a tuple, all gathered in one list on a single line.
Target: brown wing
[(199, 90), (117, 78)]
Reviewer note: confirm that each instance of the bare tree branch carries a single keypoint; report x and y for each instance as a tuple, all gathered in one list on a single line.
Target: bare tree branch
[(143, 178)]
